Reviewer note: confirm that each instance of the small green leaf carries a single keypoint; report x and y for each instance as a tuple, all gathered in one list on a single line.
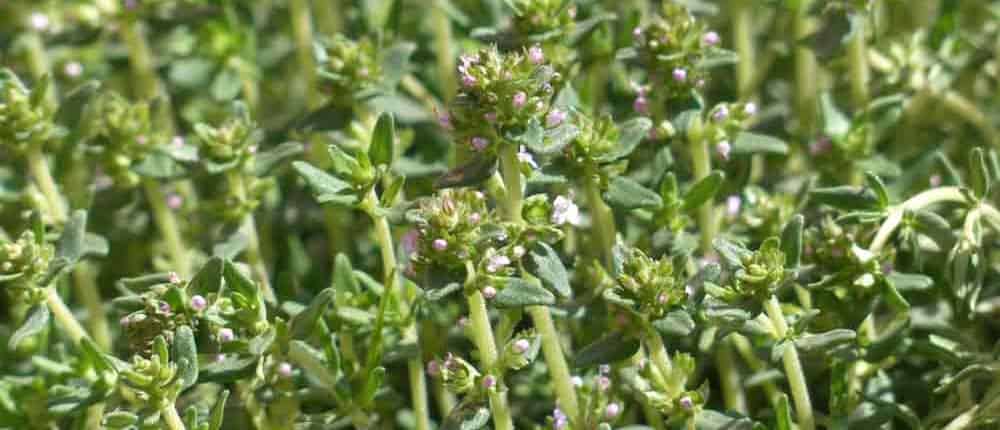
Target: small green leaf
[(783, 413), (37, 320), (703, 191), (846, 197), (630, 135), (304, 323), (549, 268), (732, 253), (791, 241), (822, 342), (626, 194), (979, 174), (321, 183), (609, 349), (876, 184), (753, 143), (835, 123), (675, 323), (381, 151), (266, 161), (208, 280), (229, 369), (910, 281), (160, 165), (185, 352), (120, 419), (72, 242), (74, 105), (517, 292), (473, 172)]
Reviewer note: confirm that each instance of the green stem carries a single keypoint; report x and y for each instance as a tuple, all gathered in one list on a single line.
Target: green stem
[(793, 367), (729, 377), (169, 229), (418, 381), (482, 336), (805, 70), (97, 322), (746, 351), (603, 223), (964, 108), (702, 166), (40, 172), (171, 418), (328, 17), (441, 24), (249, 228), (743, 43), (857, 57), (141, 59), (64, 316), (659, 358), (917, 202), (540, 315), (302, 30), (964, 420)]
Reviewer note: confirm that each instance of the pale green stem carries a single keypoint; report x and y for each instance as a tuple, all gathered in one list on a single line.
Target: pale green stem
[(445, 399), (482, 336), (729, 377), (328, 17), (702, 166), (603, 222), (141, 59), (64, 316), (40, 172), (39, 64), (742, 22), (540, 315), (917, 202), (805, 70), (418, 381), (249, 228), (964, 108), (441, 24), (793, 367), (964, 420), (659, 357), (83, 279), (95, 414), (171, 418), (169, 229), (857, 57), (745, 350), (302, 30)]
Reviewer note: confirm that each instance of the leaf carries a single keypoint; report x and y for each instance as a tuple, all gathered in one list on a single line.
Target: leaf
[(585, 28), (676, 323), (218, 411), (910, 281), (876, 184), (703, 191), (979, 174), (471, 173), (229, 369), (822, 342), (396, 63), (753, 143), (627, 194), (791, 241), (732, 254), (185, 352), (783, 413), (73, 106), (335, 115), (71, 245), (468, 415), (381, 150), (321, 183), (714, 420), (611, 348), (37, 320), (267, 160), (846, 197), (304, 323), (208, 280), (237, 281), (517, 292), (835, 123), (120, 419), (549, 268), (160, 165), (630, 135)]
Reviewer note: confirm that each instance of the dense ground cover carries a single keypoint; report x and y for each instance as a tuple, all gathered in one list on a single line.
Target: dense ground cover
[(463, 214)]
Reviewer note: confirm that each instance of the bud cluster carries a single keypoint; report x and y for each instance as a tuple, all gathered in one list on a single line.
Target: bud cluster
[(651, 283), (762, 272), (123, 135), (447, 229), (348, 66), (23, 265), (25, 119), (672, 47), (538, 17), (153, 379)]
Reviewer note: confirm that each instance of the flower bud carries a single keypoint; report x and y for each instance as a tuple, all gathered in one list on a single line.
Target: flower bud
[(285, 369), (73, 69), (721, 113), (479, 143), (603, 383), (641, 105), (750, 109), (680, 75), (536, 55), (198, 303), (723, 148), (489, 381), (611, 411), (489, 292), (226, 335), (711, 38), (555, 117), (433, 368), (519, 99), (440, 244), (521, 346)]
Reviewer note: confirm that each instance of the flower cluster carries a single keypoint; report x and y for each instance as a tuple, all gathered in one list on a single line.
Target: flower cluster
[(541, 17), (651, 283), (24, 263), (349, 66), (124, 134), (672, 47), (447, 230), (26, 119)]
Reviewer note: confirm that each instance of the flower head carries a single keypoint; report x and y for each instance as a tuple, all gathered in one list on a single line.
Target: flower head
[(680, 75), (565, 211), (198, 303), (711, 38), (519, 99), (554, 118), (536, 55)]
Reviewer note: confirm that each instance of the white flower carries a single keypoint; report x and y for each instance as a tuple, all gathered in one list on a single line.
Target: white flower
[(39, 21), (525, 157), (565, 211), (497, 262)]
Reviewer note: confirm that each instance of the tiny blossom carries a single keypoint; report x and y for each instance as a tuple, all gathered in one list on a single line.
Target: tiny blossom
[(165, 307), (525, 157), (463, 322), (489, 292), (536, 55), (226, 334), (519, 99), (662, 298), (198, 303), (555, 117), (285, 369), (611, 411), (73, 69), (641, 105), (721, 113), (39, 21), (820, 146), (410, 241), (642, 363), (686, 402), (444, 120), (733, 204), (700, 83), (680, 75), (521, 345), (489, 381), (637, 32), (711, 38), (220, 358), (518, 251), (723, 148), (576, 381), (174, 201), (559, 419), (750, 109), (142, 140), (252, 149), (474, 218), (440, 244), (934, 181), (433, 368), (490, 117), (124, 321), (565, 211), (479, 143), (468, 80), (177, 141), (174, 278), (603, 383)]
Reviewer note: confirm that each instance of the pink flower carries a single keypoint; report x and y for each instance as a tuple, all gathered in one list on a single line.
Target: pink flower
[(641, 105), (536, 55), (723, 148), (750, 109), (285, 369), (521, 346), (174, 201), (410, 241), (226, 335), (489, 292), (479, 143), (73, 69), (520, 99), (711, 38), (603, 383), (198, 303), (468, 81), (440, 244), (444, 120), (474, 218), (433, 368), (490, 117), (721, 113), (611, 411), (733, 204), (555, 117), (637, 33), (680, 75), (174, 278), (489, 381)]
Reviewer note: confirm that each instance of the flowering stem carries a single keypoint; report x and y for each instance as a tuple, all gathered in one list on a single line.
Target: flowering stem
[(603, 223), (540, 315), (40, 172), (302, 30), (857, 56), (482, 336), (805, 70), (169, 229), (64, 316), (443, 47), (702, 166), (418, 381), (171, 418), (793, 367), (249, 228), (917, 202), (743, 43)]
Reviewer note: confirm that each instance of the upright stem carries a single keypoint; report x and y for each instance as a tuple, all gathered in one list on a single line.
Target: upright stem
[(418, 381), (603, 222), (169, 229), (729, 377), (805, 71), (83, 279), (443, 48), (482, 336), (743, 44), (793, 367), (328, 17), (857, 57), (39, 169), (702, 166), (64, 316), (249, 228), (540, 315), (303, 33), (171, 418)]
